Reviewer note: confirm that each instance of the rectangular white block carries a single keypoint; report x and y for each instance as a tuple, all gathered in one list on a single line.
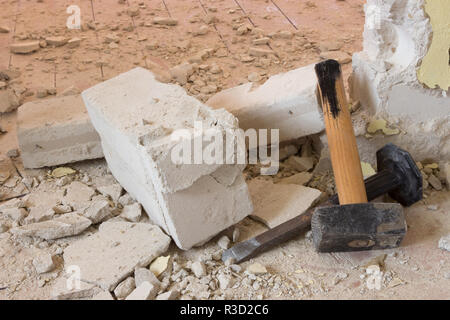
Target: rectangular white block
[(56, 131), (286, 101), (135, 116)]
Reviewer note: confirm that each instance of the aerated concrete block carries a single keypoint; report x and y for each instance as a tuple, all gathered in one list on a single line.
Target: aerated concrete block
[(56, 131), (135, 116), (286, 101)]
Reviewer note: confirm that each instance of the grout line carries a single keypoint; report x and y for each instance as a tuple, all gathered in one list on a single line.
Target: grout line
[(248, 17), (16, 16), (245, 13), (215, 27), (167, 8), (284, 14), (137, 37), (96, 37)]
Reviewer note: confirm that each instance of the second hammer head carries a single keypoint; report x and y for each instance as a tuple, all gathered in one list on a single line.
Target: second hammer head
[(357, 227)]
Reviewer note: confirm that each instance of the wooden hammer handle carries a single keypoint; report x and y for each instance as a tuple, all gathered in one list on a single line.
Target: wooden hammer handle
[(341, 137)]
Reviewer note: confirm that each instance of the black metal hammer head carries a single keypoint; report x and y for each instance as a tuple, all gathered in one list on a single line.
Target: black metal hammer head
[(400, 163), (357, 227)]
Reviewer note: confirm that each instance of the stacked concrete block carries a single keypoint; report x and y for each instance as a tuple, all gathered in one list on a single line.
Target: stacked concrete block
[(56, 131), (286, 101), (137, 118), (402, 75)]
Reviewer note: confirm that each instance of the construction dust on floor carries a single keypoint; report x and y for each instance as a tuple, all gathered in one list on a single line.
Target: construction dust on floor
[(224, 150)]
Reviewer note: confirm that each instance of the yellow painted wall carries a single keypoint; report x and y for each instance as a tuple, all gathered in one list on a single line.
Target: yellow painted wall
[(435, 69)]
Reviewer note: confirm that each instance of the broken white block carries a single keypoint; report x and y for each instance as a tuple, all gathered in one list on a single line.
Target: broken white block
[(278, 203), (138, 146), (112, 254), (66, 225), (43, 263), (56, 131), (386, 80), (146, 291), (286, 101)]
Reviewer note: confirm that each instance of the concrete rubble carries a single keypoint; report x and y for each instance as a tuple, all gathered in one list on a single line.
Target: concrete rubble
[(56, 131), (111, 255), (286, 101), (278, 203), (147, 172), (115, 219)]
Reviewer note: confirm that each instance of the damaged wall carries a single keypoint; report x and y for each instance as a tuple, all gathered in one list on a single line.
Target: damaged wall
[(400, 46)]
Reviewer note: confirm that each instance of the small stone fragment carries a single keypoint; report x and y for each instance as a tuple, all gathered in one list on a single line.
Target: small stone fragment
[(16, 214), (259, 52), (381, 125), (67, 225), (124, 288), (165, 21), (367, 170), (146, 291), (25, 47), (132, 212), (198, 268), (43, 263), (444, 243), (142, 275), (182, 72), (98, 211), (57, 41), (224, 242), (38, 214), (114, 191), (62, 171), (435, 182), (225, 281), (74, 43), (159, 265), (256, 269)]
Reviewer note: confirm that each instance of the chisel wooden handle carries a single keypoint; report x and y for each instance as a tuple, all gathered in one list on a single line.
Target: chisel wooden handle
[(341, 137)]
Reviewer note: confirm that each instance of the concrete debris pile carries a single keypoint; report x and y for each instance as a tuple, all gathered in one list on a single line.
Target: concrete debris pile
[(135, 116)]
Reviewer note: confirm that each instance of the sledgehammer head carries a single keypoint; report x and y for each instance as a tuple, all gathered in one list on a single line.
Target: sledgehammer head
[(357, 227)]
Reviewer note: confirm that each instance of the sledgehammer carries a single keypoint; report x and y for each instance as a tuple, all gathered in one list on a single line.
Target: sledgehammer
[(355, 224), (397, 175)]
